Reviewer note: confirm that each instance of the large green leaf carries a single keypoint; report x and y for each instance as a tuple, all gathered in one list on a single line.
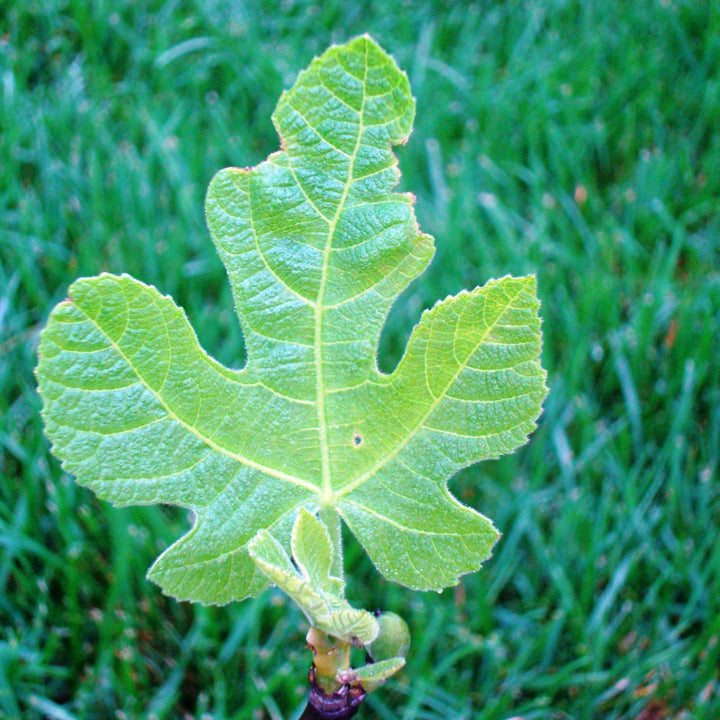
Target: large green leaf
[(317, 247)]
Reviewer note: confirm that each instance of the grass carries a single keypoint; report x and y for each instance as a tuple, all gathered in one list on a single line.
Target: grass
[(577, 140)]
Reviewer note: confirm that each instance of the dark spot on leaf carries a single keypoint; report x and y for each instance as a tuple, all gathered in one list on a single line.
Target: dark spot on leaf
[(357, 440)]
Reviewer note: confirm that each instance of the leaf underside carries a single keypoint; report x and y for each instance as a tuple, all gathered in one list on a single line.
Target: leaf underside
[(317, 247)]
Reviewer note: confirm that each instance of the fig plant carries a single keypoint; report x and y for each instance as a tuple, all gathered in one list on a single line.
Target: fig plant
[(274, 457)]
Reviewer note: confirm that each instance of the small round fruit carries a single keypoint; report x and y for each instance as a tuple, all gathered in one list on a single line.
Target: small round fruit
[(393, 639)]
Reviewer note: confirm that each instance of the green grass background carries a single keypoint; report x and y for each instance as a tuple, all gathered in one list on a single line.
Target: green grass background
[(577, 140)]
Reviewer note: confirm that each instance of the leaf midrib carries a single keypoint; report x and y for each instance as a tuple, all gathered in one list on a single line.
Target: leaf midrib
[(327, 496)]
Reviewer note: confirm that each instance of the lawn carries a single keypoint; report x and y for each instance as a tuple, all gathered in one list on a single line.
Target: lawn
[(576, 140)]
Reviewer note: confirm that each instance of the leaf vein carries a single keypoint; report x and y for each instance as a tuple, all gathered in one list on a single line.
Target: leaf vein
[(383, 461), (261, 254), (406, 528), (317, 132), (272, 472)]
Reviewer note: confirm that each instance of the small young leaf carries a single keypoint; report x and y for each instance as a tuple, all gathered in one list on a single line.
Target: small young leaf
[(313, 552), (319, 595), (374, 675), (317, 246)]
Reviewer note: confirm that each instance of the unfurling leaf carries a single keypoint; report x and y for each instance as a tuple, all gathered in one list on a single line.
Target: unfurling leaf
[(317, 246), (374, 675), (312, 587)]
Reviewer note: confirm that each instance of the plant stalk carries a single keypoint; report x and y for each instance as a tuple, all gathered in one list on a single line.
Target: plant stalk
[(329, 698)]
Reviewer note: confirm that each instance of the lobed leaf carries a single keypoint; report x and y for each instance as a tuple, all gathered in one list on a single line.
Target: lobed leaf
[(317, 246)]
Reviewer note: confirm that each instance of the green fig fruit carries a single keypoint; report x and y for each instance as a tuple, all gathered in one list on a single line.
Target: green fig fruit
[(393, 638)]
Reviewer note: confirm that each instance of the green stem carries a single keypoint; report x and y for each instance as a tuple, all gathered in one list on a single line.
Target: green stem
[(330, 656)]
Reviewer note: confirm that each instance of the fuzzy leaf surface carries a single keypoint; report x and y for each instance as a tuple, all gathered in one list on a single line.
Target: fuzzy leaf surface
[(317, 245), (372, 676), (319, 594)]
